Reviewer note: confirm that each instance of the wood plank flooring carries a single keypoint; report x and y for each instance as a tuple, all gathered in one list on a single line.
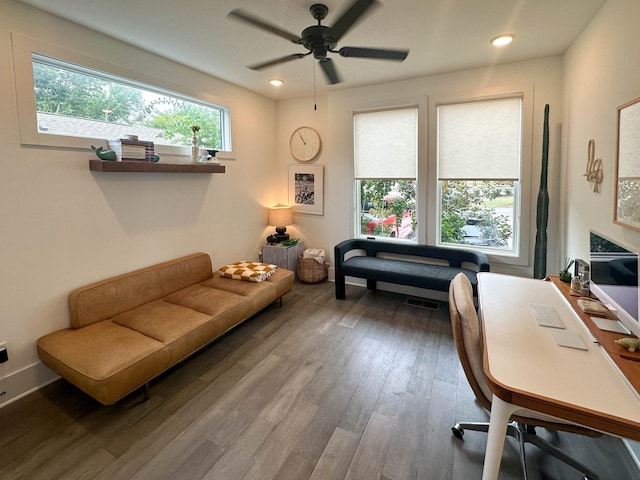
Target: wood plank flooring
[(361, 389)]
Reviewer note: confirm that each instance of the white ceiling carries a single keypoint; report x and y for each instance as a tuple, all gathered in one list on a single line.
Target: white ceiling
[(442, 35)]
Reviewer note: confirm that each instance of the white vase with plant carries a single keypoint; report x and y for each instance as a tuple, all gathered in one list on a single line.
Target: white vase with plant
[(194, 143)]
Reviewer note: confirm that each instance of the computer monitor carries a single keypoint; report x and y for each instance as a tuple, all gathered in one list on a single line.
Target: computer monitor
[(614, 278)]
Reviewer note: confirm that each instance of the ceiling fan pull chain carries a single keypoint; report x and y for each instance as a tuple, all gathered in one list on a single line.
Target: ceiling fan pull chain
[(315, 101)]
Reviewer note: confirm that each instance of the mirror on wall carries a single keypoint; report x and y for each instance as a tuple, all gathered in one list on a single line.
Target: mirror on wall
[(627, 198)]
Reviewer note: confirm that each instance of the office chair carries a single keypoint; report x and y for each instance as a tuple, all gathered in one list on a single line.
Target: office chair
[(466, 333)]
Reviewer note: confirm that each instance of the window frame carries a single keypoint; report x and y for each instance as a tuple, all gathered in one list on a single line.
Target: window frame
[(522, 211), (24, 49), (420, 106)]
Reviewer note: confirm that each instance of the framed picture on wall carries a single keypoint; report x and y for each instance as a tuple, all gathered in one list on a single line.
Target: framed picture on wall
[(306, 189), (627, 196)]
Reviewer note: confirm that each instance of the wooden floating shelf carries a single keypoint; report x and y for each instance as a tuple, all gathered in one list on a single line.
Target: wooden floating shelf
[(148, 167)]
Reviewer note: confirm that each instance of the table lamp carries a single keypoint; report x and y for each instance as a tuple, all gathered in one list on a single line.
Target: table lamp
[(280, 216)]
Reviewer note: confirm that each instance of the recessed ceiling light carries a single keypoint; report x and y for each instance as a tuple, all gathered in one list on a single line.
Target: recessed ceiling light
[(276, 82), (502, 39)]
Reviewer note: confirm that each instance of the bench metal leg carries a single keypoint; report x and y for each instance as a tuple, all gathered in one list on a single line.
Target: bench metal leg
[(340, 287)]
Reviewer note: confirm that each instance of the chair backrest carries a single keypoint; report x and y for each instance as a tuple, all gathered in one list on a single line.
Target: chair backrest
[(466, 333)]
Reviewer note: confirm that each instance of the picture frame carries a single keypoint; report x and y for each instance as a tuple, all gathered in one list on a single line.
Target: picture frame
[(627, 186), (306, 189)]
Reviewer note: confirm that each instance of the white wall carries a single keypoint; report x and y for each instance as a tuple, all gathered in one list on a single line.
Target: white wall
[(63, 226), (334, 117), (601, 73)]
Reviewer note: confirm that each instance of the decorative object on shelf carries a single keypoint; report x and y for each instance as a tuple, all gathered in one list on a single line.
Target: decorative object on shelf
[(132, 150), (103, 154), (631, 344), (542, 211), (280, 216), (194, 143), (305, 144), (565, 274), (627, 193), (211, 157), (306, 188), (594, 167)]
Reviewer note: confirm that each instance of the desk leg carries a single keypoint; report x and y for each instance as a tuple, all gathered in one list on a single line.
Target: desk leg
[(500, 413)]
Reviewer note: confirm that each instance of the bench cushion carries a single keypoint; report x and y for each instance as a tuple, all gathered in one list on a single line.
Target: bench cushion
[(422, 275)]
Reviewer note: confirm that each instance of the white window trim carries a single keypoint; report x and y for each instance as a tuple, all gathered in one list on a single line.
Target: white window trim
[(22, 49), (522, 216)]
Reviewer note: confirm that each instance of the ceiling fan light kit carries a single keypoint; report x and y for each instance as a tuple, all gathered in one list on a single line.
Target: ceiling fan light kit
[(320, 40)]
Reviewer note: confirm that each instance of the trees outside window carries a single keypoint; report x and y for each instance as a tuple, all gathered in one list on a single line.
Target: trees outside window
[(388, 208), (71, 100)]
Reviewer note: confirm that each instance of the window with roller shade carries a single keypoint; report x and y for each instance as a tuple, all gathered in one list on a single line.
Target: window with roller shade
[(479, 164), (385, 166)]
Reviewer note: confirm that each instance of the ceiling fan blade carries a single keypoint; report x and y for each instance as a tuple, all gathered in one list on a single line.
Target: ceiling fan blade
[(277, 61), (329, 70), (349, 18), (377, 53), (249, 18)]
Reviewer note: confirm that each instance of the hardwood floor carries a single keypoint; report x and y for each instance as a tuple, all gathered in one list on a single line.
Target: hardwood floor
[(320, 389)]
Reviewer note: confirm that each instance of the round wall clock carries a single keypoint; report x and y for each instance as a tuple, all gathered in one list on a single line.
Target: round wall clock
[(305, 144)]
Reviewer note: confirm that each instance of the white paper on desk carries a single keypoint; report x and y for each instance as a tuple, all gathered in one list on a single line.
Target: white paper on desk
[(567, 338)]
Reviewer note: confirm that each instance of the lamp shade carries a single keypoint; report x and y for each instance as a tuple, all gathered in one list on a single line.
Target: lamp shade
[(280, 216)]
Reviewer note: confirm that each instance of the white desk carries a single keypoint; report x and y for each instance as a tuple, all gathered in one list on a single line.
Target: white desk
[(526, 368)]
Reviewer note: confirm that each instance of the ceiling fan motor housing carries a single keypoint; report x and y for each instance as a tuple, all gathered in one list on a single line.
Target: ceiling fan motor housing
[(317, 39)]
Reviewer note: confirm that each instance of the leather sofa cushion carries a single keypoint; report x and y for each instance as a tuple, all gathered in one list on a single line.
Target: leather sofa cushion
[(104, 358), (161, 321)]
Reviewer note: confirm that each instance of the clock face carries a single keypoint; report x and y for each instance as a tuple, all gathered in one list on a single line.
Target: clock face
[(305, 144)]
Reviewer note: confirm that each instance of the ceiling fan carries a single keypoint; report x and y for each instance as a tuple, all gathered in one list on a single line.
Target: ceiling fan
[(320, 39)]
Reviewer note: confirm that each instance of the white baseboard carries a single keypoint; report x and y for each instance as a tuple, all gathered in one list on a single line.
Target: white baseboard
[(21, 383)]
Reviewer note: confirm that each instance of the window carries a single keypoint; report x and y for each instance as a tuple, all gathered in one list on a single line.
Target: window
[(385, 158), (479, 171), (72, 104)]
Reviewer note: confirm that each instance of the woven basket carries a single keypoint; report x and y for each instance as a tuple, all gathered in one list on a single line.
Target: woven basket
[(310, 271)]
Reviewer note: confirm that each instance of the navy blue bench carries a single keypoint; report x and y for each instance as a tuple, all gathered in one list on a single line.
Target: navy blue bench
[(422, 266)]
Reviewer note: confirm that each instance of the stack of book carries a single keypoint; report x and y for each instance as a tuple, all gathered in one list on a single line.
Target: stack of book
[(128, 150)]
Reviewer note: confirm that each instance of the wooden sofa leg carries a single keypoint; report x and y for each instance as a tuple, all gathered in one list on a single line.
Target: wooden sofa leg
[(146, 392)]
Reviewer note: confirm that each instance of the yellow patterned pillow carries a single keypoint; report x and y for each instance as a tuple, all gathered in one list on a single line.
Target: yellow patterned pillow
[(249, 271)]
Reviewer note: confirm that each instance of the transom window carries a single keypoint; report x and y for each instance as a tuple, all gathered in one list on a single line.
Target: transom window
[(65, 101), (75, 101)]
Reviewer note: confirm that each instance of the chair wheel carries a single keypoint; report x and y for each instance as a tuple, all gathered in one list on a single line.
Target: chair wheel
[(457, 431)]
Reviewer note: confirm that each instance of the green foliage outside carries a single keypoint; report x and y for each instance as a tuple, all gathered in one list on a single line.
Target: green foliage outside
[(471, 203), (66, 92), (372, 193)]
